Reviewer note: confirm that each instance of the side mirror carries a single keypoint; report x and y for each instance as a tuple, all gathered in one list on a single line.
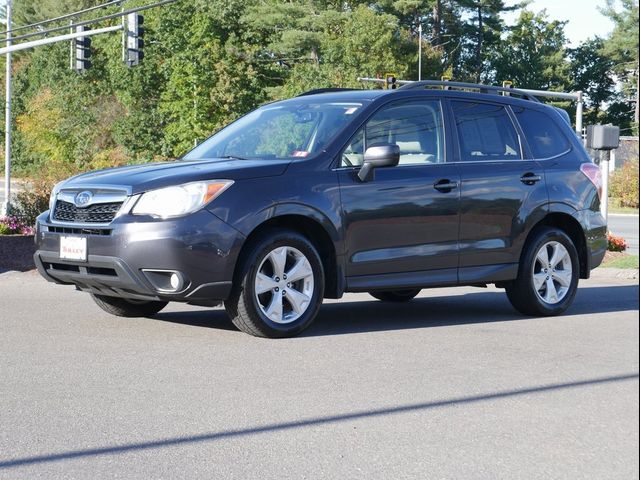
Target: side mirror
[(378, 157)]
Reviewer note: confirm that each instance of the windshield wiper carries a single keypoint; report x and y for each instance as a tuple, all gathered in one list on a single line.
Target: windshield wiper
[(233, 157)]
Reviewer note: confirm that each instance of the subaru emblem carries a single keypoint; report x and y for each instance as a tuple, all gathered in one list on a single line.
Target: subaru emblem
[(83, 199)]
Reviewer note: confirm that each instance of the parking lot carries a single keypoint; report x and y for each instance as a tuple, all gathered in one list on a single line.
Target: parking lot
[(452, 385)]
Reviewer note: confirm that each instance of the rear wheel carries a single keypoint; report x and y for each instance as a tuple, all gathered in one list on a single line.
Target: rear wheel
[(280, 287), (396, 295), (548, 275), (122, 307)]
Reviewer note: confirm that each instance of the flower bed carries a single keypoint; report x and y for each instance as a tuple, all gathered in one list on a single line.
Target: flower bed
[(14, 226), (615, 244)]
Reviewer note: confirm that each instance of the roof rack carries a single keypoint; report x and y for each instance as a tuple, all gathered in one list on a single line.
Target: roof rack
[(468, 86), (325, 90)]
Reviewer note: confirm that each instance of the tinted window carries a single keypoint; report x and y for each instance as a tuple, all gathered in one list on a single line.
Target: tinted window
[(544, 137), (485, 132), (415, 126)]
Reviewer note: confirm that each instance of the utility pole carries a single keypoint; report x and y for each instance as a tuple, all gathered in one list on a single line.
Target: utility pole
[(6, 206), (637, 112), (420, 51)]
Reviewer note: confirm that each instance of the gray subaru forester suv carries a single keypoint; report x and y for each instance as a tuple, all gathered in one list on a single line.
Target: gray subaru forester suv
[(336, 191)]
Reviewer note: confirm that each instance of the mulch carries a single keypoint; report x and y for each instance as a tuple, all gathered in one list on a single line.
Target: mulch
[(609, 256)]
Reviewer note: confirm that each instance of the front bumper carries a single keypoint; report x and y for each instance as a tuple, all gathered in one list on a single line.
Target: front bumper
[(203, 248)]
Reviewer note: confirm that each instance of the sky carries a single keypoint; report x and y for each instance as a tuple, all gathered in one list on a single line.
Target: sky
[(585, 20)]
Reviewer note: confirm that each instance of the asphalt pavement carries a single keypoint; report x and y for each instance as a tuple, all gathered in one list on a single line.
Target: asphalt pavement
[(454, 384), (625, 226)]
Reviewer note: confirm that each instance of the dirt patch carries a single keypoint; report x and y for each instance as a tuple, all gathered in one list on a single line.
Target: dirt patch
[(16, 253)]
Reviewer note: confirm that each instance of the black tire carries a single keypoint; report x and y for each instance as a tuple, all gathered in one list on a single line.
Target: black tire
[(396, 295), (243, 305), (122, 307), (523, 294)]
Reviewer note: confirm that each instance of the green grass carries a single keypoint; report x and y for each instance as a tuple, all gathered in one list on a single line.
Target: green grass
[(633, 211), (614, 207), (626, 261)]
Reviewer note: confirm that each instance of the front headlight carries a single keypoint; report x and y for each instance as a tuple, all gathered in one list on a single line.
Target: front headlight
[(54, 194), (180, 199)]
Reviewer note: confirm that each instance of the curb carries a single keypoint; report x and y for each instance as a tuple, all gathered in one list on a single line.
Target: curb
[(623, 273)]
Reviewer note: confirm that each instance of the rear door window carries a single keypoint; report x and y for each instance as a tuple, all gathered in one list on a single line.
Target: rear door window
[(545, 139), (485, 132)]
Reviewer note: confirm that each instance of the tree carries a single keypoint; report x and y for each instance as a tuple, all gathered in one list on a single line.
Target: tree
[(533, 54), (26, 12), (622, 48), (483, 33), (591, 73)]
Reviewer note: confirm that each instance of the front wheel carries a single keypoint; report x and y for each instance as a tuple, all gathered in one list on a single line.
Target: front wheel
[(121, 307), (279, 288), (548, 275), (396, 295)]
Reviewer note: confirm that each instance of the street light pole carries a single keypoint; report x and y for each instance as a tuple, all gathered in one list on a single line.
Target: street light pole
[(6, 206)]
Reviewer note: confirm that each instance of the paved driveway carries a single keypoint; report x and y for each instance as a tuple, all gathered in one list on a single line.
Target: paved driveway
[(452, 385)]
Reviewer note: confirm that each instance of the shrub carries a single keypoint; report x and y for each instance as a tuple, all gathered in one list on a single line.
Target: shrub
[(31, 202), (624, 184), (616, 244), (13, 226)]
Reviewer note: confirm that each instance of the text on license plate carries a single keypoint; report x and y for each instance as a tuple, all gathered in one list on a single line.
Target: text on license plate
[(73, 248)]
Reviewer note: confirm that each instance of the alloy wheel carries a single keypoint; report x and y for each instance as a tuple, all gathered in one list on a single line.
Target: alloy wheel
[(552, 272), (284, 285)]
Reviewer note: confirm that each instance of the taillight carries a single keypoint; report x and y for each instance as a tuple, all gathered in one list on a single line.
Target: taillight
[(592, 172)]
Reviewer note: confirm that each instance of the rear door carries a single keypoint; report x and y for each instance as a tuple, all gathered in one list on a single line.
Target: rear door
[(501, 190)]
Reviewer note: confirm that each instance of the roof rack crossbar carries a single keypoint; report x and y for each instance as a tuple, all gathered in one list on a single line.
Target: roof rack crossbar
[(468, 86), (325, 90)]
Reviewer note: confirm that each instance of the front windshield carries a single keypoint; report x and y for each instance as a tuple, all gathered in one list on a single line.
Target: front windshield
[(280, 130)]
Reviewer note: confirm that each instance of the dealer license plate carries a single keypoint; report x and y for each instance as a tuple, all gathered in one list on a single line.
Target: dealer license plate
[(73, 248)]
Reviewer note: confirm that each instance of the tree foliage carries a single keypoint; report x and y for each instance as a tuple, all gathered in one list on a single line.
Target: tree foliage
[(209, 61), (533, 53), (622, 48)]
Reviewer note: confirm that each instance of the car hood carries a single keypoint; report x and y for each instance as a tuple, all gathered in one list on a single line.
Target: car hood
[(141, 178)]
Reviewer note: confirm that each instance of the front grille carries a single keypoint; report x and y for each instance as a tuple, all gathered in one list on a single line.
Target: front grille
[(63, 267), (98, 213), (79, 231)]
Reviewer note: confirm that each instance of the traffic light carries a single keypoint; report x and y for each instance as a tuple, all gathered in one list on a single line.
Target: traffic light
[(82, 51), (134, 40), (390, 81)]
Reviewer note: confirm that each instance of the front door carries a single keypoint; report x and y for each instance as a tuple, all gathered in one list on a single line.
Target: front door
[(406, 218)]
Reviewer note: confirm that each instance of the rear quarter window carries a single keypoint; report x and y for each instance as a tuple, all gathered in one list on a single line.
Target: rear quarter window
[(545, 138)]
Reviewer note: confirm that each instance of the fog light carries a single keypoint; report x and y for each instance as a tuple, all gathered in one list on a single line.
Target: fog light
[(166, 280)]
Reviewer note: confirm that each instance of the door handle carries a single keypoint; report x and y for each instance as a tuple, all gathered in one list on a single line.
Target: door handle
[(530, 178), (445, 185)]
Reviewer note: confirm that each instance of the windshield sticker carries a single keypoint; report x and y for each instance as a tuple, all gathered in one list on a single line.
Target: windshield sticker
[(349, 111), (299, 153)]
